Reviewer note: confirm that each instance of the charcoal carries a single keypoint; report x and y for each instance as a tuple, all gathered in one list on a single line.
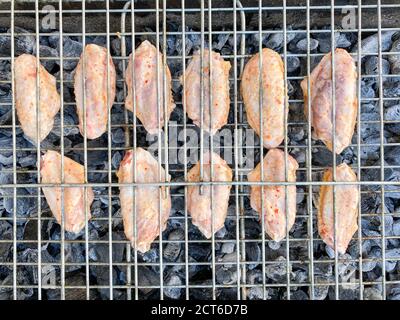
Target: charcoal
[(54, 39), (70, 127), (346, 269), (25, 205), (370, 44), (220, 234), (116, 46), (300, 276), (292, 64), (172, 250), (255, 293), (254, 39), (344, 294), (388, 225), (6, 160), (393, 114), (368, 266), (72, 51), (303, 45), (297, 295), (173, 292), (323, 157), (22, 43), (222, 40), (146, 278), (99, 40), (48, 52), (372, 66), (252, 229), (274, 41), (68, 80), (179, 45), (253, 254), (274, 245), (199, 251), (228, 247), (395, 293), (396, 228), (324, 41), (150, 256), (392, 157), (290, 87), (320, 292), (6, 234), (276, 271), (343, 41), (372, 294), (6, 115), (391, 89), (391, 264), (118, 136), (202, 293), (367, 92), (116, 159), (371, 150), (74, 253), (395, 58), (28, 160)]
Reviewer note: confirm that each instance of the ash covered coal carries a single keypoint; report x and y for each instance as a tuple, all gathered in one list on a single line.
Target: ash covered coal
[(378, 213)]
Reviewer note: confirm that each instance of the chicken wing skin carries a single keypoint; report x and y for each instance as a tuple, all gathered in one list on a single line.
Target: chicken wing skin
[(25, 94), (274, 196), (273, 96), (145, 77), (74, 210), (219, 90), (147, 199), (346, 205), (94, 58), (321, 99), (199, 205)]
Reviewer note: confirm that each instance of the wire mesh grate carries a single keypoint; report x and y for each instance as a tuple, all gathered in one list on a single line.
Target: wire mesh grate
[(38, 260)]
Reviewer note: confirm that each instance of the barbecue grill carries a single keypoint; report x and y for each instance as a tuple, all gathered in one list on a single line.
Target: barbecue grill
[(38, 260)]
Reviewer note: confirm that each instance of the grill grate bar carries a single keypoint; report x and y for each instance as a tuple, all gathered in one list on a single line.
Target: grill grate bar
[(62, 153), (359, 233), (382, 150)]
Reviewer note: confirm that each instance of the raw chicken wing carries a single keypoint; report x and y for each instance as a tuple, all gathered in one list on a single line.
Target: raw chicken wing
[(273, 96), (145, 77), (346, 206), (25, 94), (321, 99), (199, 205), (74, 210), (274, 196), (219, 90), (94, 59), (147, 199)]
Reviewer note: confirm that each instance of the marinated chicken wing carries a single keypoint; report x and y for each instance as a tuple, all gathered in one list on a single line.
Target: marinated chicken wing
[(219, 90), (74, 209), (147, 199), (25, 94), (274, 196), (145, 77), (346, 206), (321, 99), (199, 205), (94, 59), (273, 96)]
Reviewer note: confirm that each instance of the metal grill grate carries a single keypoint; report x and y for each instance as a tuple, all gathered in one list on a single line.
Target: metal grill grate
[(109, 267)]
